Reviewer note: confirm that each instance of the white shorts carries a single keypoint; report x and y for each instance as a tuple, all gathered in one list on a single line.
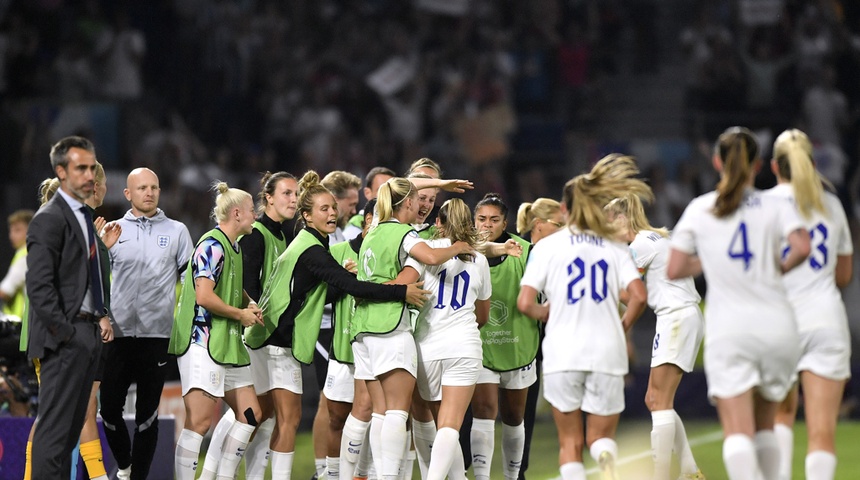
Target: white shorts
[(826, 352), (677, 338), (448, 372), (274, 367), (594, 393), (735, 365), (198, 370), (379, 354), (512, 380), (340, 382)]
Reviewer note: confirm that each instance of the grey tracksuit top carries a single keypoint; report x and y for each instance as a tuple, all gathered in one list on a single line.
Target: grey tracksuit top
[(146, 262)]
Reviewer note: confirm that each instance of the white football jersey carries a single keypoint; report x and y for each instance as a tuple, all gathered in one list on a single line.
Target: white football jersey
[(740, 256), (446, 326), (581, 275), (651, 254), (811, 286)]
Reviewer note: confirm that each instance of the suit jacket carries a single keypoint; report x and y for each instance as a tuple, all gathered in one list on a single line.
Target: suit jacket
[(57, 275)]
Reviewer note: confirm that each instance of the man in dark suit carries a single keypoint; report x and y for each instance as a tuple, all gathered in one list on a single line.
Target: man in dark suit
[(66, 301)]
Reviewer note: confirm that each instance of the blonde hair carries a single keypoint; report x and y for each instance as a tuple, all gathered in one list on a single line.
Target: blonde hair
[(47, 189), (792, 151), (99, 175), (738, 150), (227, 199), (22, 216), (338, 182), (631, 207), (309, 188), (530, 212), (613, 176), (456, 220), (425, 163), (391, 196)]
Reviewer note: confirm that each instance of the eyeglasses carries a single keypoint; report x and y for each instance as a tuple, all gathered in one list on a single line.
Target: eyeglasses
[(553, 222)]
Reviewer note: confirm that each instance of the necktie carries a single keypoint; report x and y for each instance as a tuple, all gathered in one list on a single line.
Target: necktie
[(95, 268)]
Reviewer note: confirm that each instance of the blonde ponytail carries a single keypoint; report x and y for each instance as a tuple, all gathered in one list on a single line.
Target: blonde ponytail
[(792, 151), (631, 207)]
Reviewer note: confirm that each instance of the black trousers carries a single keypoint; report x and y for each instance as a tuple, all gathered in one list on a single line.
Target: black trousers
[(142, 361), (66, 379)]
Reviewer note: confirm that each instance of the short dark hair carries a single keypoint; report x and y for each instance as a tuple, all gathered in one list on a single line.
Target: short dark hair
[(368, 179), (61, 149)]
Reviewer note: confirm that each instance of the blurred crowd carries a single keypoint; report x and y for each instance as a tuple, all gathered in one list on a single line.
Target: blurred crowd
[(226, 89)]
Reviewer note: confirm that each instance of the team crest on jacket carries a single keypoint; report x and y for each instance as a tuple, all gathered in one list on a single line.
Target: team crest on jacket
[(163, 241)]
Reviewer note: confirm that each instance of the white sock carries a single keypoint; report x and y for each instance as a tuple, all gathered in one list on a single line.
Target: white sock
[(767, 452), (234, 449), (785, 439), (662, 439), (572, 471), (187, 451), (820, 465), (604, 445), (376, 422), (483, 441), (739, 457), (513, 441), (257, 455), (682, 447), (393, 443), (458, 464), (213, 453), (447, 440), (332, 468), (364, 465), (351, 444), (282, 465), (407, 465), (319, 465), (423, 435)]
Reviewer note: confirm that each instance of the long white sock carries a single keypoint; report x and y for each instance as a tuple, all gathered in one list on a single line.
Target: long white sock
[(257, 455), (213, 453), (393, 443), (785, 439), (601, 445), (423, 435), (364, 465), (447, 439), (407, 465), (458, 465), (351, 444), (483, 440), (572, 471), (662, 438), (682, 447), (187, 451), (332, 468), (282, 465), (319, 465), (376, 423), (767, 452), (234, 449), (820, 465), (739, 457), (513, 441)]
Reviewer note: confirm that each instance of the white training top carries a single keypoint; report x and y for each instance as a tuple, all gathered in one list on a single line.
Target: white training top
[(740, 256), (812, 285), (651, 254), (446, 325), (581, 275)]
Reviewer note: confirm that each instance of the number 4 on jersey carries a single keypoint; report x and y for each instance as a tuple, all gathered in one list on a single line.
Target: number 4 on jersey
[(739, 247)]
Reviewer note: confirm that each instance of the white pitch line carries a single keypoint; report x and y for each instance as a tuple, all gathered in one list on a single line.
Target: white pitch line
[(696, 441)]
